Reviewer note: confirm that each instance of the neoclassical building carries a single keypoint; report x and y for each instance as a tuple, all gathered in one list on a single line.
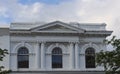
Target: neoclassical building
[(53, 47)]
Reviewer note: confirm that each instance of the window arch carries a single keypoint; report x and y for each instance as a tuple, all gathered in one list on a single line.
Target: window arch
[(90, 57), (23, 57), (57, 58)]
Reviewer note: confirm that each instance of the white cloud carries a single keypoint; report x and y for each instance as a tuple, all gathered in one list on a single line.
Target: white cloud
[(3, 12), (75, 10), (28, 12)]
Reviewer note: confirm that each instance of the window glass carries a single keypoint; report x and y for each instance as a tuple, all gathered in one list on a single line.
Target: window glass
[(90, 58), (23, 58), (56, 58)]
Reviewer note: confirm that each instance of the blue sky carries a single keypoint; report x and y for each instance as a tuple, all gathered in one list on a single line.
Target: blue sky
[(29, 2), (9, 18), (82, 11)]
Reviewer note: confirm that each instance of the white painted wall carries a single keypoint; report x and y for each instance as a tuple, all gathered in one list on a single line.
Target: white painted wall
[(17, 41), (5, 44), (33, 43)]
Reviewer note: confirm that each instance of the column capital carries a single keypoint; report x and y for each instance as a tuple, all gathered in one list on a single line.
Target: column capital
[(70, 42), (32, 54), (77, 42), (43, 42), (74, 42), (37, 41)]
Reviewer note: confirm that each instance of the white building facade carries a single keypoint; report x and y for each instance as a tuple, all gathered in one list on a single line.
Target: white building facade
[(55, 47)]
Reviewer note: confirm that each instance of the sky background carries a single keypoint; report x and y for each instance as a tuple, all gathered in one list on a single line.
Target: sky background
[(82, 11)]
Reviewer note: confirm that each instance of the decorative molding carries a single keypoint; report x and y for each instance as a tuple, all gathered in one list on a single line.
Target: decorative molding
[(44, 41), (22, 44), (57, 23), (56, 44), (90, 44), (13, 54), (52, 46), (32, 54), (73, 42), (81, 54), (66, 53)]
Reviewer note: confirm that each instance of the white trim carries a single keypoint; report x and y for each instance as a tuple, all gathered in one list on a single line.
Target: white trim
[(39, 28), (22, 44), (90, 44), (52, 46)]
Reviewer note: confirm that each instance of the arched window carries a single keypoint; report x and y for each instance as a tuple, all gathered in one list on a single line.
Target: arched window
[(90, 58), (23, 58), (57, 58)]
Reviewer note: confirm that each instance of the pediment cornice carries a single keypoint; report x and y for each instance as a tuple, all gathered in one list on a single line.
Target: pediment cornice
[(57, 27)]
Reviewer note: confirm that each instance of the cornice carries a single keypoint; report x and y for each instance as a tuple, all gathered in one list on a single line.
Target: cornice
[(45, 33), (38, 41), (99, 32)]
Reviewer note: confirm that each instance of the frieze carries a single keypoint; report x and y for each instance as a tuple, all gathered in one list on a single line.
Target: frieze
[(35, 41)]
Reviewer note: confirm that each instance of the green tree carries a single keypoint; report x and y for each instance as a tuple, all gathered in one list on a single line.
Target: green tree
[(110, 60), (2, 55)]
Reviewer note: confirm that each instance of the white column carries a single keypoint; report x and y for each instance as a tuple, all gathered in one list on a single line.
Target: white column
[(76, 56), (71, 56), (37, 56), (42, 55)]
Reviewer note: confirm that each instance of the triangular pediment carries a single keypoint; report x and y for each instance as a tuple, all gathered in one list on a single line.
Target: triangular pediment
[(57, 26)]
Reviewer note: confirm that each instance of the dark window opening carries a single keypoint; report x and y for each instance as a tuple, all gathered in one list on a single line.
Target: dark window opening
[(56, 58), (90, 58), (23, 58)]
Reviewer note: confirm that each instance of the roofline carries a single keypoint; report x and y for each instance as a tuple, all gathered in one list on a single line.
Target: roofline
[(108, 33), (56, 22)]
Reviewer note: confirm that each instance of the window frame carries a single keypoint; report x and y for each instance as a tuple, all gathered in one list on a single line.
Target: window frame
[(57, 52), (90, 58), (23, 55)]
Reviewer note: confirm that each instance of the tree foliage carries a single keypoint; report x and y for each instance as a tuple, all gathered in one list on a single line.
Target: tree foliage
[(2, 55), (110, 60)]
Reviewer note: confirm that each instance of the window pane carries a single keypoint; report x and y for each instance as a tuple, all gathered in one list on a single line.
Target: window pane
[(90, 58), (57, 51), (23, 61), (57, 58), (90, 62), (56, 61), (23, 58), (23, 50)]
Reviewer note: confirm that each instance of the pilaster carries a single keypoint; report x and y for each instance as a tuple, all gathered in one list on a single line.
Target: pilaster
[(42, 55), (37, 56), (76, 56), (71, 55)]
